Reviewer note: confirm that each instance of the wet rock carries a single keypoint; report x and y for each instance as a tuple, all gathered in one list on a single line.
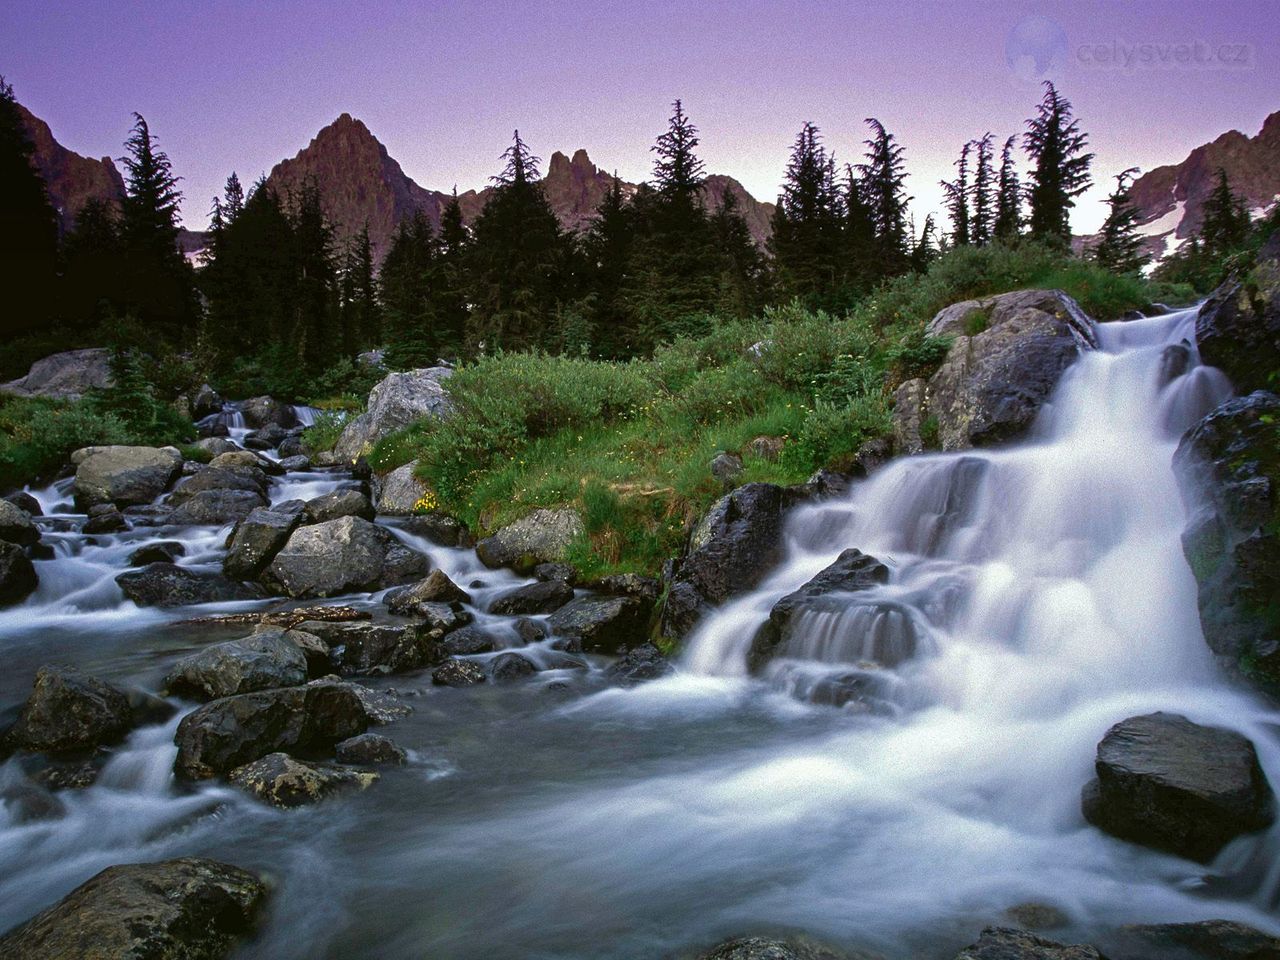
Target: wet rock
[(529, 631), (435, 588), (18, 577), (458, 673), (543, 596), (1037, 916), (629, 585), (246, 460), (1238, 328), (67, 375), (851, 572), (216, 507), (161, 551), (68, 710), (603, 624), (726, 467), (282, 781), (467, 641), (729, 553), (1175, 360), (1177, 786), (148, 514), (386, 649), (269, 436), (370, 749), (25, 502), (1008, 943), (314, 650), (441, 616), (402, 564), (206, 402), (29, 802), (397, 401), (257, 662), (541, 537), (645, 662), (233, 476), (257, 539), (1201, 940), (187, 909), (764, 948), (440, 528), (169, 585), (260, 411), (123, 475), (217, 445), (328, 558), (104, 518), (340, 503), (75, 771), (1228, 468), (510, 667), (212, 428), (295, 463), (16, 525), (397, 493), (556, 571)]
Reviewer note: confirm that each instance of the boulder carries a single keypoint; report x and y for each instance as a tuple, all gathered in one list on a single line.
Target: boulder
[(440, 528), (16, 525), (66, 375), (726, 467), (556, 571), (376, 648), (70, 711), (123, 475), (543, 596), (370, 749), (292, 447), (282, 781), (206, 402), (18, 577), (443, 617), (402, 564), (314, 650), (245, 459), (435, 588), (1199, 940), (1228, 468), (216, 507), (766, 448), (603, 624), (161, 551), (25, 502), (187, 909), (329, 558), (644, 662), (340, 503), (169, 585), (765, 948), (294, 463), (458, 673), (729, 552), (397, 401), (104, 518), (1009, 943), (1008, 354), (629, 585), (1167, 783), (257, 539), (828, 593), (466, 641), (398, 492), (268, 437), (1238, 328), (541, 537), (257, 662), (224, 476), (509, 667), (260, 411)]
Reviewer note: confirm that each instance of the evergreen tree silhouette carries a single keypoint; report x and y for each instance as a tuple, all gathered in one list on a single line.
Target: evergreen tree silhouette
[(1060, 170)]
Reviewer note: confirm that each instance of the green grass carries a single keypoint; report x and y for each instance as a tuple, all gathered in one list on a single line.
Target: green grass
[(326, 429)]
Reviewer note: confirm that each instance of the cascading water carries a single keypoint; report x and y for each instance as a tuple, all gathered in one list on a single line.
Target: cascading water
[(1037, 594)]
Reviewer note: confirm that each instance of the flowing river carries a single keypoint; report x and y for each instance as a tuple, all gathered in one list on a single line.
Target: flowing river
[(1038, 594)]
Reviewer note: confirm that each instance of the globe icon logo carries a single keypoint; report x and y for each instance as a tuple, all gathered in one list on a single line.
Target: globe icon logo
[(1036, 48)]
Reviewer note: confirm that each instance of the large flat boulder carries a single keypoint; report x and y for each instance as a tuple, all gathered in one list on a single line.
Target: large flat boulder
[(397, 401), (257, 662), (169, 585), (123, 475), (66, 375), (1167, 783), (187, 909), (324, 559), (540, 537)]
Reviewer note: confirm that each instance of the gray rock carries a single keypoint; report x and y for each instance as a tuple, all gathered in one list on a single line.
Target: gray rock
[(123, 475), (439, 528), (543, 596), (257, 662), (556, 571), (18, 577), (1171, 784), (216, 507), (187, 909), (70, 711), (458, 673), (222, 476), (260, 411), (257, 539), (329, 558), (402, 564), (629, 585), (206, 402), (766, 448), (25, 502), (377, 648), (541, 537), (162, 551), (435, 588), (441, 616), (282, 781), (1200, 940), (292, 447), (16, 525), (1238, 328), (295, 463), (104, 518), (1009, 943), (397, 401), (396, 493), (370, 749), (169, 585), (645, 662), (246, 460), (764, 948), (726, 467), (603, 624), (466, 641), (340, 503), (510, 667), (66, 375)]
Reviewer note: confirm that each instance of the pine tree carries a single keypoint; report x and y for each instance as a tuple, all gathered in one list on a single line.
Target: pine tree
[(449, 281), (93, 267), (607, 247), (405, 285), (1008, 223), (925, 250), (806, 240), (360, 310), (884, 180), (1060, 171), (1226, 220), (858, 238), (316, 338), (677, 172), (1119, 246), (983, 193), (741, 265), (957, 199), (29, 248)]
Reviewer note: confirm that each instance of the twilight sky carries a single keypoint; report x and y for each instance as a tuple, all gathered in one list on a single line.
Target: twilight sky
[(240, 84)]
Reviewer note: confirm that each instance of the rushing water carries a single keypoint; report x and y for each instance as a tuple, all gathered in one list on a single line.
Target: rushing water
[(1037, 595)]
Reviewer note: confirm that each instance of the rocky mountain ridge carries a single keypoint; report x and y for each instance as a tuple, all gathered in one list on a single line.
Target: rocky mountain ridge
[(73, 180)]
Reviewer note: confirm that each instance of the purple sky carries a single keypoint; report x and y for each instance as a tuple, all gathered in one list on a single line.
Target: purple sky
[(239, 85)]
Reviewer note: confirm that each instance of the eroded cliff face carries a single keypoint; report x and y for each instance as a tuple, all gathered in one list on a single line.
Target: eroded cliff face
[(72, 180)]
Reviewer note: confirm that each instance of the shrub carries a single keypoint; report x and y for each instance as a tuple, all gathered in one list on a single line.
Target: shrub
[(832, 433), (324, 432)]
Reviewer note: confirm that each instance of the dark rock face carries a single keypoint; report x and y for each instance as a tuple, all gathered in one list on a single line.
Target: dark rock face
[(440, 528), (458, 673), (629, 585), (168, 585), (1008, 943), (261, 411), (69, 711), (851, 572), (436, 588), (188, 909), (163, 551), (282, 781), (16, 525), (1171, 784), (25, 502), (1228, 467), (258, 662), (729, 553), (370, 749), (466, 641), (602, 624), (1238, 328), (643, 663), (104, 518), (216, 507), (257, 539), (556, 571), (340, 503), (544, 596), (509, 667), (1202, 940), (443, 617), (541, 537), (383, 649), (17, 574)]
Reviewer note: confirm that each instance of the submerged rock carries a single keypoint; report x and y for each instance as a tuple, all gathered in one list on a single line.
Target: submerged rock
[(257, 662), (18, 577), (645, 662), (68, 710), (1009, 943), (187, 909), (1177, 786), (458, 673), (541, 537), (123, 475), (169, 585), (282, 781)]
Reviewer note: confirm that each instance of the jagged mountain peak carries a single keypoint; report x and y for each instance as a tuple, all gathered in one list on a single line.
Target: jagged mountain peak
[(71, 179)]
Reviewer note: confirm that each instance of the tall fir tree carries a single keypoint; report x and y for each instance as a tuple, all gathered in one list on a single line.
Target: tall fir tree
[(740, 288), (860, 268), (449, 281), (957, 199), (1226, 219), (884, 177), (607, 246), (94, 267), (361, 313), (1060, 167), (29, 248), (1008, 222), (1119, 246), (409, 320), (984, 197), (806, 241)]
